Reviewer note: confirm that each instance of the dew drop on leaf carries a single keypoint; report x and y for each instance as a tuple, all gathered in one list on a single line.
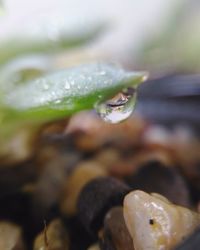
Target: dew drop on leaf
[(119, 108)]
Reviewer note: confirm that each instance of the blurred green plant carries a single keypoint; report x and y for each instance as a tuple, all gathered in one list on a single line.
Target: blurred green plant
[(19, 46), (32, 93), (176, 46)]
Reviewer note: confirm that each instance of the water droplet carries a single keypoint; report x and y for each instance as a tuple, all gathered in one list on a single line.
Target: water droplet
[(119, 108)]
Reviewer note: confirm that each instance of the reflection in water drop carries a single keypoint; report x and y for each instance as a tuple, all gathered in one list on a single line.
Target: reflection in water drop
[(118, 108)]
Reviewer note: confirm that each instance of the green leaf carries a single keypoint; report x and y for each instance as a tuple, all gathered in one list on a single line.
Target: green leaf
[(63, 93), (23, 69), (19, 46)]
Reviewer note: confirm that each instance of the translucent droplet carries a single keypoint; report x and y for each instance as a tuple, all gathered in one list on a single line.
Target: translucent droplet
[(119, 108)]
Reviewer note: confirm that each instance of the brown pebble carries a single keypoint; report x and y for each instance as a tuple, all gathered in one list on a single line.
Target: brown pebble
[(115, 233), (95, 133), (84, 172), (94, 247), (158, 178), (11, 237), (97, 198), (20, 147), (108, 157), (53, 237)]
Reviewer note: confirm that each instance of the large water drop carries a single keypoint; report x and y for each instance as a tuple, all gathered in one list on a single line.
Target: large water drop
[(119, 108)]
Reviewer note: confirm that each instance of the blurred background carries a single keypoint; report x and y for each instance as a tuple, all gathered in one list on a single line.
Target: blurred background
[(128, 23), (158, 35)]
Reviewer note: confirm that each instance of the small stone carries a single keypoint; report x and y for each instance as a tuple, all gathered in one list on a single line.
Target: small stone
[(80, 238), (20, 147), (156, 177), (11, 237), (84, 172), (96, 198), (54, 237), (123, 135), (94, 247), (191, 243), (115, 233), (155, 223), (108, 157)]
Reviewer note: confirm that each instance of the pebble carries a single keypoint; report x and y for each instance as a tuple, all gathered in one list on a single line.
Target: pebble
[(115, 233), (11, 237), (97, 198), (108, 157), (156, 177), (191, 243), (90, 139), (94, 247), (53, 237), (83, 173), (155, 223), (80, 238)]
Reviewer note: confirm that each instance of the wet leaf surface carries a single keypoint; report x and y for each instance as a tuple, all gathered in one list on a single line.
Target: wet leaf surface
[(63, 93)]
